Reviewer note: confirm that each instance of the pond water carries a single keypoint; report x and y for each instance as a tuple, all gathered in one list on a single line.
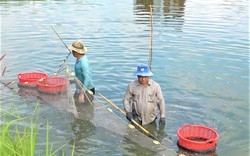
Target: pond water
[(200, 57)]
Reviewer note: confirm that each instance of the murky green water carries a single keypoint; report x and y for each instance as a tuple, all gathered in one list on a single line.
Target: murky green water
[(200, 57)]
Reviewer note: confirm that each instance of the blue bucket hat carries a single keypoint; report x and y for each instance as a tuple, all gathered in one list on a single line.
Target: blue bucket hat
[(143, 70)]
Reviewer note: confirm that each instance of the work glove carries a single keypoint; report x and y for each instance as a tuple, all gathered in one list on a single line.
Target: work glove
[(129, 116), (162, 123)]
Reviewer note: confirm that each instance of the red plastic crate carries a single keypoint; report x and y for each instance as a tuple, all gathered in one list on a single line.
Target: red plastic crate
[(53, 84), (197, 138), (30, 79)]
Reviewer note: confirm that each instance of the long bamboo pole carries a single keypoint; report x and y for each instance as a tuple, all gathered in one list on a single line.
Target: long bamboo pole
[(133, 121), (60, 68), (151, 37), (62, 41)]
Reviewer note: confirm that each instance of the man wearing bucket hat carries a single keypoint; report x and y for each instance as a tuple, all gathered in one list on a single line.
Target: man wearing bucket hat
[(145, 96), (82, 69)]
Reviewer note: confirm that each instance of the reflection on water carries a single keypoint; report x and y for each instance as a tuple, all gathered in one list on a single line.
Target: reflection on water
[(189, 153), (131, 149), (164, 6), (200, 58), (82, 129), (171, 12), (28, 92)]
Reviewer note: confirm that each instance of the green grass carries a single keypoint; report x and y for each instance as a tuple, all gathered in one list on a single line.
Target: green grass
[(21, 140)]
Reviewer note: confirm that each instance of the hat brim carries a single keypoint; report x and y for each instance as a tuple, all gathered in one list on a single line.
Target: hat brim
[(80, 51), (143, 73)]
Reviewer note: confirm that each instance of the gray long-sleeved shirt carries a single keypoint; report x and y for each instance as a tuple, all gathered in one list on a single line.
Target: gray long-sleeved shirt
[(145, 100)]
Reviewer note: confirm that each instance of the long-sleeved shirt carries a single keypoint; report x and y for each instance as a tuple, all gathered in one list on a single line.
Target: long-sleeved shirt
[(83, 73), (145, 100)]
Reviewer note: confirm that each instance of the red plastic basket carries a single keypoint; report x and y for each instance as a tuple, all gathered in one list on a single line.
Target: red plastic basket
[(197, 138), (53, 84), (30, 79)]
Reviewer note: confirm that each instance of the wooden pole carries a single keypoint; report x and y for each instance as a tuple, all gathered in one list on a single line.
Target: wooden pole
[(151, 37), (59, 70)]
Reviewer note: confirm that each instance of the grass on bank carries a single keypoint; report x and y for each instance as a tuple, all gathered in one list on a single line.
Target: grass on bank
[(18, 141)]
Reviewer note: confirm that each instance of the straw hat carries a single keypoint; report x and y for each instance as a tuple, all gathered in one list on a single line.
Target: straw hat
[(78, 47), (143, 70)]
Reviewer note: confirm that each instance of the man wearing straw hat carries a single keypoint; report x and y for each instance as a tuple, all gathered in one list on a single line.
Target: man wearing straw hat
[(146, 97), (82, 70)]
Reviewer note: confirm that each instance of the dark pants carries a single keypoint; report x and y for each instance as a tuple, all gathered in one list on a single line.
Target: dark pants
[(137, 118), (151, 127)]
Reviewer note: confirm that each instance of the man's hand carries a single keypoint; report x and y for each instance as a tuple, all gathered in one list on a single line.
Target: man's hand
[(129, 116)]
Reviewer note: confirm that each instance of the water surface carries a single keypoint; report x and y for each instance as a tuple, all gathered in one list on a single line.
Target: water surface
[(200, 52)]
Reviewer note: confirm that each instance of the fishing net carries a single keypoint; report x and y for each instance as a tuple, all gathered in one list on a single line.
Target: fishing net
[(89, 116), (52, 90), (104, 116), (95, 111)]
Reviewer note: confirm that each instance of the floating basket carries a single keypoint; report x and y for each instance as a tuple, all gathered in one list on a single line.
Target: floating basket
[(197, 138), (30, 79), (53, 84)]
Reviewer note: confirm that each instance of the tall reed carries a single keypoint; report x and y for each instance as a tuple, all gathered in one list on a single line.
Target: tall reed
[(18, 140)]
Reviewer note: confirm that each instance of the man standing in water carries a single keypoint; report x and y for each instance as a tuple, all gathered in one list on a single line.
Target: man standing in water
[(145, 96), (82, 70)]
